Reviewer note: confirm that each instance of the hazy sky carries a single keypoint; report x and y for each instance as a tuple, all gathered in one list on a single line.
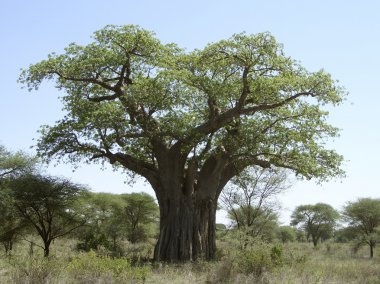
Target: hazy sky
[(342, 37)]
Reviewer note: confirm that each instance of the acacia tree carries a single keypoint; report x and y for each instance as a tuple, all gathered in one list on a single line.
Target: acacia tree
[(112, 217), (188, 121), (12, 226), (103, 222), (140, 211), (317, 220), (11, 165), (48, 205), (363, 216), (263, 222), (286, 234), (249, 196)]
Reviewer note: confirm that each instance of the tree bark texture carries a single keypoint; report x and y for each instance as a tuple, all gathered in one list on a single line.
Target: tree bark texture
[(187, 198), (187, 229)]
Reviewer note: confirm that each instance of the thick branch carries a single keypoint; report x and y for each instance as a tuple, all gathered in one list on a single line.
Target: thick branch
[(261, 107), (246, 89), (140, 167), (219, 121), (87, 80)]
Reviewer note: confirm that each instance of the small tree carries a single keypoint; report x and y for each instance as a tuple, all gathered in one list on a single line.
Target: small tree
[(317, 220), (249, 200), (11, 224), (104, 225), (286, 234), (11, 166), (47, 204), (364, 218), (113, 217), (264, 225), (140, 211)]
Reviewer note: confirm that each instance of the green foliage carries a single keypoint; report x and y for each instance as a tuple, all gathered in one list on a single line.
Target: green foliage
[(301, 264), (363, 216), (263, 225), (90, 266), (94, 240), (140, 215), (35, 270), (318, 221), (47, 204), (13, 164), (104, 223), (112, 218), (345, 235), (255, 260), (126, 87), (286, 234), (248, 200), (188, 121), (248, 256), (12, 226), (277, 255)]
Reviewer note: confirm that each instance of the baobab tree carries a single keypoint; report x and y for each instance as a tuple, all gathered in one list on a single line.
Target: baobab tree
[(188, 122)]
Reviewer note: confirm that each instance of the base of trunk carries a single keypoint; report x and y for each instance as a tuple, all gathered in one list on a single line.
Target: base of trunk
[(187, 230)]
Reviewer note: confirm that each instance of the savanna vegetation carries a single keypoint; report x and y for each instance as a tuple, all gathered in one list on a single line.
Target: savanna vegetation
[(220, 128), (55, 231)]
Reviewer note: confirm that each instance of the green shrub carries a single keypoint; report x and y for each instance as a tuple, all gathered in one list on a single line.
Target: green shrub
[(92, 241), (139, 252), (35, 270), (277, 255), (89, 265), (254, 260)]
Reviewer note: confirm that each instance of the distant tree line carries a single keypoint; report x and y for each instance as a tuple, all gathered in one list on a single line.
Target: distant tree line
[(250, 203), (52, 207)]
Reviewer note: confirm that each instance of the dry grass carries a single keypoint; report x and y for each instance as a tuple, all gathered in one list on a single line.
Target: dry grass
[(331, 263)]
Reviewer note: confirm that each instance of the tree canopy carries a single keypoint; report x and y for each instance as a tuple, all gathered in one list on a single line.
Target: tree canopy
[(317, 220), (12, 164), (114, 217), (126, 89), (48, 205), (188, 121), (363, 217)]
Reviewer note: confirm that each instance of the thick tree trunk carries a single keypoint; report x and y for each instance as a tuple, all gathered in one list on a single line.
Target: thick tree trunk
[(187, 195), (187, 229)]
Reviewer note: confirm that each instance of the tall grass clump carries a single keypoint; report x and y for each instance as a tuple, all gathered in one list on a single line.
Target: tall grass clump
[(248, 256), (34, 270), (90, 268)]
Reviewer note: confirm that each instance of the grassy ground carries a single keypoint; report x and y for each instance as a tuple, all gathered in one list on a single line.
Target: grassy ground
[(295, 263)]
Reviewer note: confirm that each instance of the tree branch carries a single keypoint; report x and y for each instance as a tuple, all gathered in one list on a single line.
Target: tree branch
[(261, 107)]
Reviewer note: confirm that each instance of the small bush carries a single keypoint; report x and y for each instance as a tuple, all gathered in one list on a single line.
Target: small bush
[(90, 266), (92, 241), (251, 258), (35, 270), (138, 253), (221, 273), (277, 255), (254, 260)]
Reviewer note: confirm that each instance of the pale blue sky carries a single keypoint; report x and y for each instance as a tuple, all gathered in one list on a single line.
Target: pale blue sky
[(342, 37)]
